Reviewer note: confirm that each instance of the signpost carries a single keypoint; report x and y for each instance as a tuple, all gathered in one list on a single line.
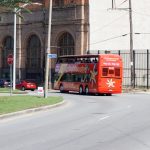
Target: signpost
[(52, 55), (10, 59), (10, 62)]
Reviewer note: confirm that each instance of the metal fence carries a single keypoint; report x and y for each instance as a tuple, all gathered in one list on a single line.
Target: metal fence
[(141, 65)]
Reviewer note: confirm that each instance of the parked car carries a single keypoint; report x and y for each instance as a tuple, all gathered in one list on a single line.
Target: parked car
[(26, 85), (4, 82), (36, 81)]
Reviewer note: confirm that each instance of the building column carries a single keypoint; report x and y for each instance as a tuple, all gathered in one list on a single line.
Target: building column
[(82, 27), (79, 47)]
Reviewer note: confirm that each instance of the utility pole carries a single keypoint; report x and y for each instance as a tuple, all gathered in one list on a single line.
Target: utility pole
[(131, 45), (131, 40), (113, 4), (48, 50)]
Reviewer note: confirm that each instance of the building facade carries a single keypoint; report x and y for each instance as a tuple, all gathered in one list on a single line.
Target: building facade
[(69, 36)]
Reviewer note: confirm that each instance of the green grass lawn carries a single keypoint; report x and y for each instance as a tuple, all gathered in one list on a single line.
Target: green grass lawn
[(10, 104), (7, 90)]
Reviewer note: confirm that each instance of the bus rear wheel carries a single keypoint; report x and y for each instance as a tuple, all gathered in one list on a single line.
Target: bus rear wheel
[(86, 90), (80, 90)]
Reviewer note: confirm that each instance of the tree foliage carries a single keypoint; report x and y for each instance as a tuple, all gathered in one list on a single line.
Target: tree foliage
[(10, 4)]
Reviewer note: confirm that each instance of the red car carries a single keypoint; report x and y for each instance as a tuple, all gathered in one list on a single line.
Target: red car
[(26, 85)]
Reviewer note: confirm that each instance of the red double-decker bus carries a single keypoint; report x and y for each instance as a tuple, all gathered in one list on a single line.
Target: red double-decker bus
[(99, 74)]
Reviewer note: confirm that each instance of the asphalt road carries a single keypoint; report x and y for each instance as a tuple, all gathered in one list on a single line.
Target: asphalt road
[(118, 122)]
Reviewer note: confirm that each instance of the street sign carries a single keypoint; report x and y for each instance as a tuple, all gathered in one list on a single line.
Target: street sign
[(10, 59), (40, 90), (52, 55)]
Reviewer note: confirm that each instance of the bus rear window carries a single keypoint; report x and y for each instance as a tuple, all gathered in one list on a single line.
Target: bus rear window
[(105, 72), (111, 71), (117, 72)]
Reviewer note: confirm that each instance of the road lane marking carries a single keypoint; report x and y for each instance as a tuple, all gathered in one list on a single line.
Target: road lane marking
[(103, 118)]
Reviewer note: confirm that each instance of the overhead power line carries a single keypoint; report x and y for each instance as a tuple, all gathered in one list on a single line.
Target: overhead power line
[(112, 38), (122, 2)]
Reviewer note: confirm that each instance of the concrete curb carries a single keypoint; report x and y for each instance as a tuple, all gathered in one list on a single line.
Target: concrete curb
[(134, 91), (19, 113)]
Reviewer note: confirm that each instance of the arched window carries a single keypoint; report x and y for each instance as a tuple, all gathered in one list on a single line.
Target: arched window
[(65, 44), (7, 49), (33, 52)]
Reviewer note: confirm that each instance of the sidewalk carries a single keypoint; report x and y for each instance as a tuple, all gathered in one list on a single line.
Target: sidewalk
[(136, 90)]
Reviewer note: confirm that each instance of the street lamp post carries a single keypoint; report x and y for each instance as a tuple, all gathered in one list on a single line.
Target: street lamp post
[(15, 29), (14, 55), (48, 50)]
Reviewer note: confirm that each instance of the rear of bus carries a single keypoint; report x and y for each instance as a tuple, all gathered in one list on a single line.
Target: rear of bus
[(110, 74)]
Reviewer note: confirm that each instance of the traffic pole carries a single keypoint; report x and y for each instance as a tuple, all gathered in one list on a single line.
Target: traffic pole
[(48, 50), (10, 79)]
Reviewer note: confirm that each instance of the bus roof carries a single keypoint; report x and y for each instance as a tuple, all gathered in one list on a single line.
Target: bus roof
[(84, 56)]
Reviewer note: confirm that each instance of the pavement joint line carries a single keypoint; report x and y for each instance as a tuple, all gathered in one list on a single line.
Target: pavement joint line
[(27, 111)]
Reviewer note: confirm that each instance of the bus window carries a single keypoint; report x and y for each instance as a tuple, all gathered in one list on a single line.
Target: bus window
[(78, 78), (111, 71), (78, 60), (83, 60), (68, 77), (95, 60), (71, 61), (105, 72), (73, 78), (63, 78), (117, 72)]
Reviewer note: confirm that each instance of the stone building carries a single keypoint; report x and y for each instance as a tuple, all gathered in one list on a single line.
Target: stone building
[(69, 36)]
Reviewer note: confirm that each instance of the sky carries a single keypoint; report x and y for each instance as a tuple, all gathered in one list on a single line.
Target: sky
[(109, 28)]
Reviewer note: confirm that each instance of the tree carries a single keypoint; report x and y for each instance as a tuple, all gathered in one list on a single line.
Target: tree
[(11, 4)]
